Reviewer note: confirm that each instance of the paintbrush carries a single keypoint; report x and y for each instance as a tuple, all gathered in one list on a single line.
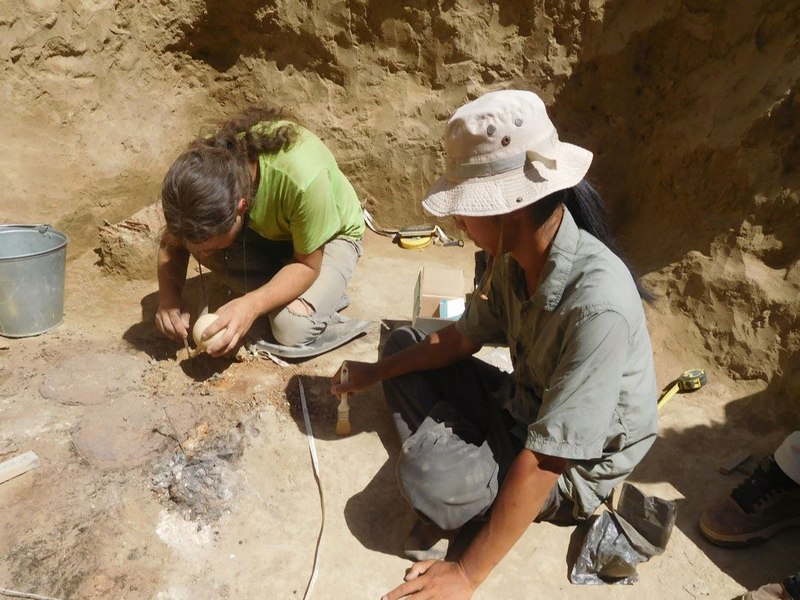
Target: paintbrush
[(343, 413)]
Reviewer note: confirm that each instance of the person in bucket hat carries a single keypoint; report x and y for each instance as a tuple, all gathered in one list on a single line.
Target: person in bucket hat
[(503, 153), (550, 441)]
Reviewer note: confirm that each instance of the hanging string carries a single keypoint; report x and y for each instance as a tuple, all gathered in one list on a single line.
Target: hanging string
[(487, 278), (203, 284)]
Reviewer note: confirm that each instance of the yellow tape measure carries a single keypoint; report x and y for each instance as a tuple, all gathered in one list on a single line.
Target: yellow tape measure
[(691, 380), (416, 242)]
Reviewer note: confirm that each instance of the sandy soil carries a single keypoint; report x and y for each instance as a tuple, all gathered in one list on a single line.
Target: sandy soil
[(103, 400)]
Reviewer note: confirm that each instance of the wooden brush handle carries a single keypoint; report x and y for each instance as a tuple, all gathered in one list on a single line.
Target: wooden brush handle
[(344, 377), (343, 412)]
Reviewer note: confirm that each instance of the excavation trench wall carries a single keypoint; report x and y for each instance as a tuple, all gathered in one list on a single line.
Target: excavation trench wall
[(691, 108)]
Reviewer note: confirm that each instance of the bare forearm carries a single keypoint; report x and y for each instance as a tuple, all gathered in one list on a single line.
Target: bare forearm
[(288, 284), (519, 501), (171, 272), (440, 349)]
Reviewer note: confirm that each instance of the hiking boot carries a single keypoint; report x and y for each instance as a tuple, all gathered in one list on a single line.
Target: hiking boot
[(788, 590), (426, 541), (764, 504)]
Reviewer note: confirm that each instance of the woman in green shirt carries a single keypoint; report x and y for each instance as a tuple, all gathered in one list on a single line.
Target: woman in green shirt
[(263, 204)]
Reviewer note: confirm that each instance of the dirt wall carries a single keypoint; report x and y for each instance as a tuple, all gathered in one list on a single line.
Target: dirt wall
[(691, 108)]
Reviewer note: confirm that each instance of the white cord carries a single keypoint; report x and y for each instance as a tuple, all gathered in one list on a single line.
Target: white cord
[(370, 221), (13, 594), (313, 449)]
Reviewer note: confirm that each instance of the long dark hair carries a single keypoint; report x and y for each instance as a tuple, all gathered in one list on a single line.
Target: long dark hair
[(590, 214), (200, 191)]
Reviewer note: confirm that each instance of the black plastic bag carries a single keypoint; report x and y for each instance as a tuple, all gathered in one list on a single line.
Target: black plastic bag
[(618, 541)]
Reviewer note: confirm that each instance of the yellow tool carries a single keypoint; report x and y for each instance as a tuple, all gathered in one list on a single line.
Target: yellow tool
[(413, 237), (691, 380), (416, 242)]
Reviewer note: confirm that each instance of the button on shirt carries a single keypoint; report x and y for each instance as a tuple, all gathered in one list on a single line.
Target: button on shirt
[(583, 366)]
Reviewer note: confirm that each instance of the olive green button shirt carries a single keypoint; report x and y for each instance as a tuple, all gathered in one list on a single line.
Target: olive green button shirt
[(583, 365)]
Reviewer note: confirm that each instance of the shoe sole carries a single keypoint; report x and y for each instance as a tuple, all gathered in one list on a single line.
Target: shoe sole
[(747, 539), (336, 334)]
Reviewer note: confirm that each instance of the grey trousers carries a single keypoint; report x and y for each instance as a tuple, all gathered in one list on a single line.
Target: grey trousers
[(251, 261), (457, 444)]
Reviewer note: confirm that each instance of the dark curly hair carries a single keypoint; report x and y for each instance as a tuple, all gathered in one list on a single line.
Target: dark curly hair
[(200, 191)]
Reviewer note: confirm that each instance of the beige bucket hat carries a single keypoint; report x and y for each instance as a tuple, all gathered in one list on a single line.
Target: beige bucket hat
[(503, 153)]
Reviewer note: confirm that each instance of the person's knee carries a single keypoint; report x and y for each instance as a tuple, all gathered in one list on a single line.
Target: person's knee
[(399, 339), (292, 329), (445, 479)]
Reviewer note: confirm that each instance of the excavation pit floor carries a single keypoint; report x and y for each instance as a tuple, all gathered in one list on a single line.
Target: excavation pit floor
[(163, 478)]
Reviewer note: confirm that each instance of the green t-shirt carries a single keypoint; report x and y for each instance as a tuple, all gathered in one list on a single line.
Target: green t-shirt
[(302, 195)]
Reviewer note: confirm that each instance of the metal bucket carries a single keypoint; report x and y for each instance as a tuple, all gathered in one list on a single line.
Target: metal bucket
[(32, 264)]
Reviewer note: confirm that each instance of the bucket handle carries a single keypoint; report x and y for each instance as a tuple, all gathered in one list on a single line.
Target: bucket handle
[(41, 227)]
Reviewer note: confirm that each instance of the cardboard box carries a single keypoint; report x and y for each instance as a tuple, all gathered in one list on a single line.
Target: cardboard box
[(437, 289)]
